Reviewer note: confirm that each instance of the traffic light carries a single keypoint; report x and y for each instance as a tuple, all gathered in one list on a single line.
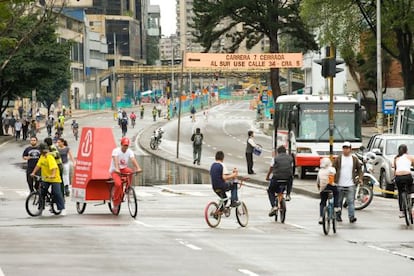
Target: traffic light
[(329, 64)]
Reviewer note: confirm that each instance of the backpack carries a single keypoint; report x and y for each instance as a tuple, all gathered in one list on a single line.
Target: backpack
[(198, 140), (124, 121)]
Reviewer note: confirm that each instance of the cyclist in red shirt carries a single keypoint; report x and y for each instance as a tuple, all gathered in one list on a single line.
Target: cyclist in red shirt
[(119, 164)]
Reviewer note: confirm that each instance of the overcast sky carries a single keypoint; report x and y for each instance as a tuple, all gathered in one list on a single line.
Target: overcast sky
[(167, 15)]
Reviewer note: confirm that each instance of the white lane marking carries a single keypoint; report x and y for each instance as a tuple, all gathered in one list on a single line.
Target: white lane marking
[(391, 252), (1, 272), (189, 245), (143, 194), (1, 194), (22, 193), (248, 272), (141, 223)]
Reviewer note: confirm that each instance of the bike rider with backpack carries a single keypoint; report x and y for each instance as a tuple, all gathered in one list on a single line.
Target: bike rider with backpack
[(282, 170), (197, 139)]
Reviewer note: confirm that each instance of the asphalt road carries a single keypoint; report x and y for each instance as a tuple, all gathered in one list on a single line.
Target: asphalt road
[(170, 236)]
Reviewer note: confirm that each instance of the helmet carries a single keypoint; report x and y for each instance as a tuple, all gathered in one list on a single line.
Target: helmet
[(43, 147), (125, 141)]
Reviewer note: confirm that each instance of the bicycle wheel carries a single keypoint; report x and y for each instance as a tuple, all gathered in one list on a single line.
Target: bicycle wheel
[(80, 207), (410, 208), (242, 214), (132, 202), (153, 144), (326, 223), (282, 210), (33, 204), (212, 214), (114, 211), (363, 197)]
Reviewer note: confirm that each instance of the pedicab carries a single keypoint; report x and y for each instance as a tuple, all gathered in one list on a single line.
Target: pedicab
[(91, 179)]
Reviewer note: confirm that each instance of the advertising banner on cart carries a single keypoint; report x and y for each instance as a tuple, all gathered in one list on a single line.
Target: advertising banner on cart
[(93, 159)]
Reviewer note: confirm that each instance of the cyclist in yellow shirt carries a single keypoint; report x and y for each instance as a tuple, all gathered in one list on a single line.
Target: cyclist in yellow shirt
[(50, 176)]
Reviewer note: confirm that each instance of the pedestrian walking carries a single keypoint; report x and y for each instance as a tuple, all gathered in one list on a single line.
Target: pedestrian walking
[(193, 112), (18, 129), (250, 145), (197, 139), (25, 128), (31, 154), (348, 174), (154, 113), (66, 155), (141, 111)]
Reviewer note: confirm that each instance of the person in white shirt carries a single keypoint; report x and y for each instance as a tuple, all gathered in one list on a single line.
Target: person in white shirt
[(119, 164), (403, 177), (348, 174)]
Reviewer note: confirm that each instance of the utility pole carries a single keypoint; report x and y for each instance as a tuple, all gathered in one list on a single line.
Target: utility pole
[(380, 114)]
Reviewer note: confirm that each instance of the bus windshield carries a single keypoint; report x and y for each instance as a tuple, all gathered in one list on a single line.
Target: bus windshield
[(314, 122)]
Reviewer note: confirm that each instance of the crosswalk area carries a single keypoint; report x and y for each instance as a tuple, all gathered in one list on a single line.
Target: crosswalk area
[(180, 190)]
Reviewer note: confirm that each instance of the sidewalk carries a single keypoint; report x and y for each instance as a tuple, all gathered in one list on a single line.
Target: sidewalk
[(75, 114)]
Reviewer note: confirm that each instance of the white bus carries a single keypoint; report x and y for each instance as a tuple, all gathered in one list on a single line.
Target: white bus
[(404, 117), (302, 123)]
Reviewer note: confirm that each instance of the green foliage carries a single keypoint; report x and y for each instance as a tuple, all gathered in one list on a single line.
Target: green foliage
[(341, 23), (223, 25), (42, 64)]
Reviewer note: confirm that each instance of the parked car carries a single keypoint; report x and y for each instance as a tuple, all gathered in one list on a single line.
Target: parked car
[(385, 146)]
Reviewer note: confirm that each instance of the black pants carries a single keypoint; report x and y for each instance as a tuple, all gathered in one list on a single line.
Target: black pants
[(249, 159), (31, 181), (404, 183), (276, 186)]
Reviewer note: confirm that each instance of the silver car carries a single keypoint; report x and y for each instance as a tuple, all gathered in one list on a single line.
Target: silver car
[(385, 146)]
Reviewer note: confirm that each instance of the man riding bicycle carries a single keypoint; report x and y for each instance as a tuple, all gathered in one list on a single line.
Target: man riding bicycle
[(220, 180), (282, 170), (50, 176), (75, 126), (133, 117), (119, 165)]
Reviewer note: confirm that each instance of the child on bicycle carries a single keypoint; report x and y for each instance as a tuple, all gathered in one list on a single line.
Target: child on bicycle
[(325, 183), (220, 179)]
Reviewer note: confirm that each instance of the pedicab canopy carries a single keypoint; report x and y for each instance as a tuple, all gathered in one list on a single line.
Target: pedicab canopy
[(91, 171)]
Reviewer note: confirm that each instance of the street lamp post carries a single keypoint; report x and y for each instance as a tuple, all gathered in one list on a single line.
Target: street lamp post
[(113, 86), (179, 106)]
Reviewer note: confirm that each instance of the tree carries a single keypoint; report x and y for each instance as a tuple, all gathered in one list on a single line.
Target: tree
[(41, 63), (343, 22), (216, 21)]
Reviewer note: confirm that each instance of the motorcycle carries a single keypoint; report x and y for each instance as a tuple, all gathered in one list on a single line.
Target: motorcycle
[(156, 138), (364, 192)]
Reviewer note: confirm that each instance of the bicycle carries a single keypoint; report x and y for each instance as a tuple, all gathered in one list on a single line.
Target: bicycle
[(156, 139), (214, 211), (407, 206), (76, 133), (280, 200), (35, 203), (128, 194), (329, 214)]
